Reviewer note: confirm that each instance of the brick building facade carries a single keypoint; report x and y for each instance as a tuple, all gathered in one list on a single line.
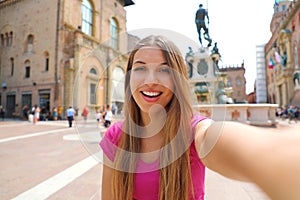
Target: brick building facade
[(235, 78), (57, 53)]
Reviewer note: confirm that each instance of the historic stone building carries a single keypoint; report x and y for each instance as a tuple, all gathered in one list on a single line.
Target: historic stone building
[(235, 79), (282, 54), (60, 53), (212, 84)]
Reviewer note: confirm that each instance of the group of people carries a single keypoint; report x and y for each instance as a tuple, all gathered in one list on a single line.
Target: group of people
[(35, 113), (161, 148), (288, 112), (105, 116)]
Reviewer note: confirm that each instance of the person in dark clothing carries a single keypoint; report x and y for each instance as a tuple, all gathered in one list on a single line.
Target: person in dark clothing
[(2, 113), (70, 114), (25, 110)]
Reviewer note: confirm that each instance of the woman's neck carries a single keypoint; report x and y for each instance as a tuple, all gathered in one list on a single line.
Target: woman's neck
[(152, 130)]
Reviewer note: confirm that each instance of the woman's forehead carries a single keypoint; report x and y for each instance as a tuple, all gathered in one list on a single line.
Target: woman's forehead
[(151, 54)]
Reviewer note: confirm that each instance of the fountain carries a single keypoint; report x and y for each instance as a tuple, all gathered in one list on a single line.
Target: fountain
[(212, 97)]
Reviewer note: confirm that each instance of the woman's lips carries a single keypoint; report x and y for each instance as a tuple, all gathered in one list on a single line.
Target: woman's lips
[(151, 96)]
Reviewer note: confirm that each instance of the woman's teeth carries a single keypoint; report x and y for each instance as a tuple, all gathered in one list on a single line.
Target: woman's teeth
[(151, 94)]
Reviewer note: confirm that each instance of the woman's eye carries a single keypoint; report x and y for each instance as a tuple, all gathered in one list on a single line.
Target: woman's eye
[(165, 69), (141, 68)]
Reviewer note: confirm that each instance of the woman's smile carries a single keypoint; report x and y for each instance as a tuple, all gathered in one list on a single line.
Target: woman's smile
[(151, 96)]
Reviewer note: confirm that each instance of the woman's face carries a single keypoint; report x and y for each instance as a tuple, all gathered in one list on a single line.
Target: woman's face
[(151, 82)]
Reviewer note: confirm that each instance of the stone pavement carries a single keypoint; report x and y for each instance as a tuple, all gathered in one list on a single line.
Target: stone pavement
[(217, 186)]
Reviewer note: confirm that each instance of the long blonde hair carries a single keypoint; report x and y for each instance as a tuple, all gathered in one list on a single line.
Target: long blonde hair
[(175, 174)]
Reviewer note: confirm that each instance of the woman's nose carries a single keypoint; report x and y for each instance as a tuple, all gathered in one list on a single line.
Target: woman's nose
[(151, 77)]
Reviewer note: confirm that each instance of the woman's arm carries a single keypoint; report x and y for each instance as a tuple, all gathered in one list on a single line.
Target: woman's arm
[(266, 157), (106, 193)]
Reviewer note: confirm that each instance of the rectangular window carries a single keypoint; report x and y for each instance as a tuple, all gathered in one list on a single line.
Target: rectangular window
[(26, 99), (87, 19), (47, 64), (10, 104), (12, 69), (114, 35), (92, 94), (27, 72), (283, 7), (44, 99)]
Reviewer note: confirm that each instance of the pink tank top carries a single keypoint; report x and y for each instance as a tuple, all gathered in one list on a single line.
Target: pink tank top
[(146, 185)]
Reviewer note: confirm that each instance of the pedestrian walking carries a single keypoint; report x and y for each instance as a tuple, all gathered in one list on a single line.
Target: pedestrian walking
[(54, 113), (36, 117), (114, 109), (43, 114), (103, 113), (291, 114), (2, 112), (98, 117), (25, 111), (59, 112), (108, 116), (70, 114), (85, 113), (34, 114)]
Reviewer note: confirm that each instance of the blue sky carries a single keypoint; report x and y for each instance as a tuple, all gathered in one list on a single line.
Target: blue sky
[(236, 25)]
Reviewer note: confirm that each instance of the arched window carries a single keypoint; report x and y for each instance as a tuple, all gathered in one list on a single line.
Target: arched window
[(118, 77), (10, 38), (238, 81), (27, 69), (93, 71), (229, 82), (7, 39), (113, 33), (30, 43), (87, 17), (92, 93)]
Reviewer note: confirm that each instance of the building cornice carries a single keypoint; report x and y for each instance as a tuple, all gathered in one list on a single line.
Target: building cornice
[(290, 13)]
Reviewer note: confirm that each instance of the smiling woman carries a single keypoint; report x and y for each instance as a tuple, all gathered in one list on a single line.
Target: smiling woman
[(157, 95), (161, 148)]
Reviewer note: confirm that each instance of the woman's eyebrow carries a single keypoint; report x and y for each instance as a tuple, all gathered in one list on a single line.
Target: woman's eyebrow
[(138, 62), (142, 62), (164, 63)]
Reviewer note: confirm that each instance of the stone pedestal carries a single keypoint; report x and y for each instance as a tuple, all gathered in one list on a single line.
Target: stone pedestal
[(206, 81), (254, 114)]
